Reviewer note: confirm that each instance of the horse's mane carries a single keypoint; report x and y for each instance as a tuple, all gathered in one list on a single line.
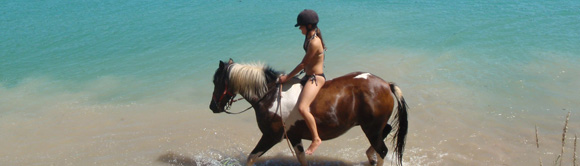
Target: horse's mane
[(251, 80)]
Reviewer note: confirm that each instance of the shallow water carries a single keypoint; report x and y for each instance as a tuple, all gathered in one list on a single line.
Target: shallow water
[(129, 83)]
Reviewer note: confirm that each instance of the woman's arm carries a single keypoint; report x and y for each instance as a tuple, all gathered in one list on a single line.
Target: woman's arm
[(297, 69)]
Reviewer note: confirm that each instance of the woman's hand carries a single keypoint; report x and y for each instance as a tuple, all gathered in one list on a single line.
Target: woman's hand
[(282, 79)]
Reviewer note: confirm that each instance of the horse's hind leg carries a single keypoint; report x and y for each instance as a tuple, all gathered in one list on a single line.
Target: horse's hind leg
[(265, 143), (387, 130), (376, 137), (371, 153)]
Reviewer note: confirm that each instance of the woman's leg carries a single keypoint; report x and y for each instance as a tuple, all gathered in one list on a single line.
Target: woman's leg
[(306, 97)]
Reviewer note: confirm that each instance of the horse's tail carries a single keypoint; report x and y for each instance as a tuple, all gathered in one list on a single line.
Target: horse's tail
[(400, 123)]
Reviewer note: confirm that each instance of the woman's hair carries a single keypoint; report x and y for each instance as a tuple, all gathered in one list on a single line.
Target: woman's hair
[(318, 33)]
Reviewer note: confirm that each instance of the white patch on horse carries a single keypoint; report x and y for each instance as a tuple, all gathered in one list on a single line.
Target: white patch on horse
[(288, 109), (363, 76)]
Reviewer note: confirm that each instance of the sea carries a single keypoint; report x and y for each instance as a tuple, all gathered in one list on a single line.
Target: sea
[(129, 82)]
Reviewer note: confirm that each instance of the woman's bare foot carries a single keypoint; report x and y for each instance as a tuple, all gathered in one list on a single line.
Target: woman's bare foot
[(315, 143)]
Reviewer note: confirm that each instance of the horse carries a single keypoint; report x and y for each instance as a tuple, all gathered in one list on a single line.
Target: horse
[(355, 99)]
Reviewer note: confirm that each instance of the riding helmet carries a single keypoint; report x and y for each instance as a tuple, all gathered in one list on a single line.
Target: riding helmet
[(306, 17)]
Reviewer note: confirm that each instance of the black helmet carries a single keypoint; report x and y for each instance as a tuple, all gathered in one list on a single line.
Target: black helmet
[(307, 17)]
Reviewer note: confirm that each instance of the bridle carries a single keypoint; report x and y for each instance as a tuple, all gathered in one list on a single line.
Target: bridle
[(229, 103), (232, 100), (226, 92)]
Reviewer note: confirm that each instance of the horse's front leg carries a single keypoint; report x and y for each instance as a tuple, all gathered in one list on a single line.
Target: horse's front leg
[(299, 149), (265, 143)]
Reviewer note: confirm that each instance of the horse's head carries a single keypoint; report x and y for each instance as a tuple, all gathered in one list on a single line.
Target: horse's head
[(221, 92)]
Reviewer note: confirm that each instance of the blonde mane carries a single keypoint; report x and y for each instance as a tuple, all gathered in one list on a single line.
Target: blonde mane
[(249, 80)]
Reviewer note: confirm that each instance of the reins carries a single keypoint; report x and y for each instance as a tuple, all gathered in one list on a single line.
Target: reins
[(279, 108), (229, 105)]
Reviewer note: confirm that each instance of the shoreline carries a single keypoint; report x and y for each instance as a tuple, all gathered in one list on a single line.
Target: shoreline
[(142, 133)]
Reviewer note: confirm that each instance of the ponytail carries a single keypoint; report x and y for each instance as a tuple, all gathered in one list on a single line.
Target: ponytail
[(319, 34)]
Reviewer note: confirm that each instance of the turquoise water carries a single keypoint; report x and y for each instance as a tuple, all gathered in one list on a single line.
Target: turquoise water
[(159, 42), (497, 59)]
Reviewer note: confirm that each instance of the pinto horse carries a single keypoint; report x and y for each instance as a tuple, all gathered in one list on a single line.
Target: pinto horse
[(350, 100)]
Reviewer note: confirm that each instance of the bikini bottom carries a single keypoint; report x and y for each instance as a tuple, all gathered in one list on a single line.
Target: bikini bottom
[(312, 78)]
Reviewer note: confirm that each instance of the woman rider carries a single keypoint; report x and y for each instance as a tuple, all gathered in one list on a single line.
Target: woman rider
[(312, 64)]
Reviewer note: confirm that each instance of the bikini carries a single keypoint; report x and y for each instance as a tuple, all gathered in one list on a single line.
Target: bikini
[(310, 77)]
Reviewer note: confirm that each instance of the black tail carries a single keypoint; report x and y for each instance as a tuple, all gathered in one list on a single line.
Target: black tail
[(401, 123)]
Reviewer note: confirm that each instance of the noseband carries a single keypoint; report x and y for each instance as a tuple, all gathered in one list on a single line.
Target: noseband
[(226, 92), (229, 104)]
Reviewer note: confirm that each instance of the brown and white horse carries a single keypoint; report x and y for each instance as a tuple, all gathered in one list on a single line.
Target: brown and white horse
[(350, 100)]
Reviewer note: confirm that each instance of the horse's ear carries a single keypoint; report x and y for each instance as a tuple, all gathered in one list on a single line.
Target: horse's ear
[(221, 64), (231, 61)]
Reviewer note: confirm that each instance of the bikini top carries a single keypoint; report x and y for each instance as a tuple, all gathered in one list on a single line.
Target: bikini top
[(307, 42)]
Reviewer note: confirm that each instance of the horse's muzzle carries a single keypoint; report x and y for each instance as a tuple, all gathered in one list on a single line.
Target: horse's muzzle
[(214, 107)]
